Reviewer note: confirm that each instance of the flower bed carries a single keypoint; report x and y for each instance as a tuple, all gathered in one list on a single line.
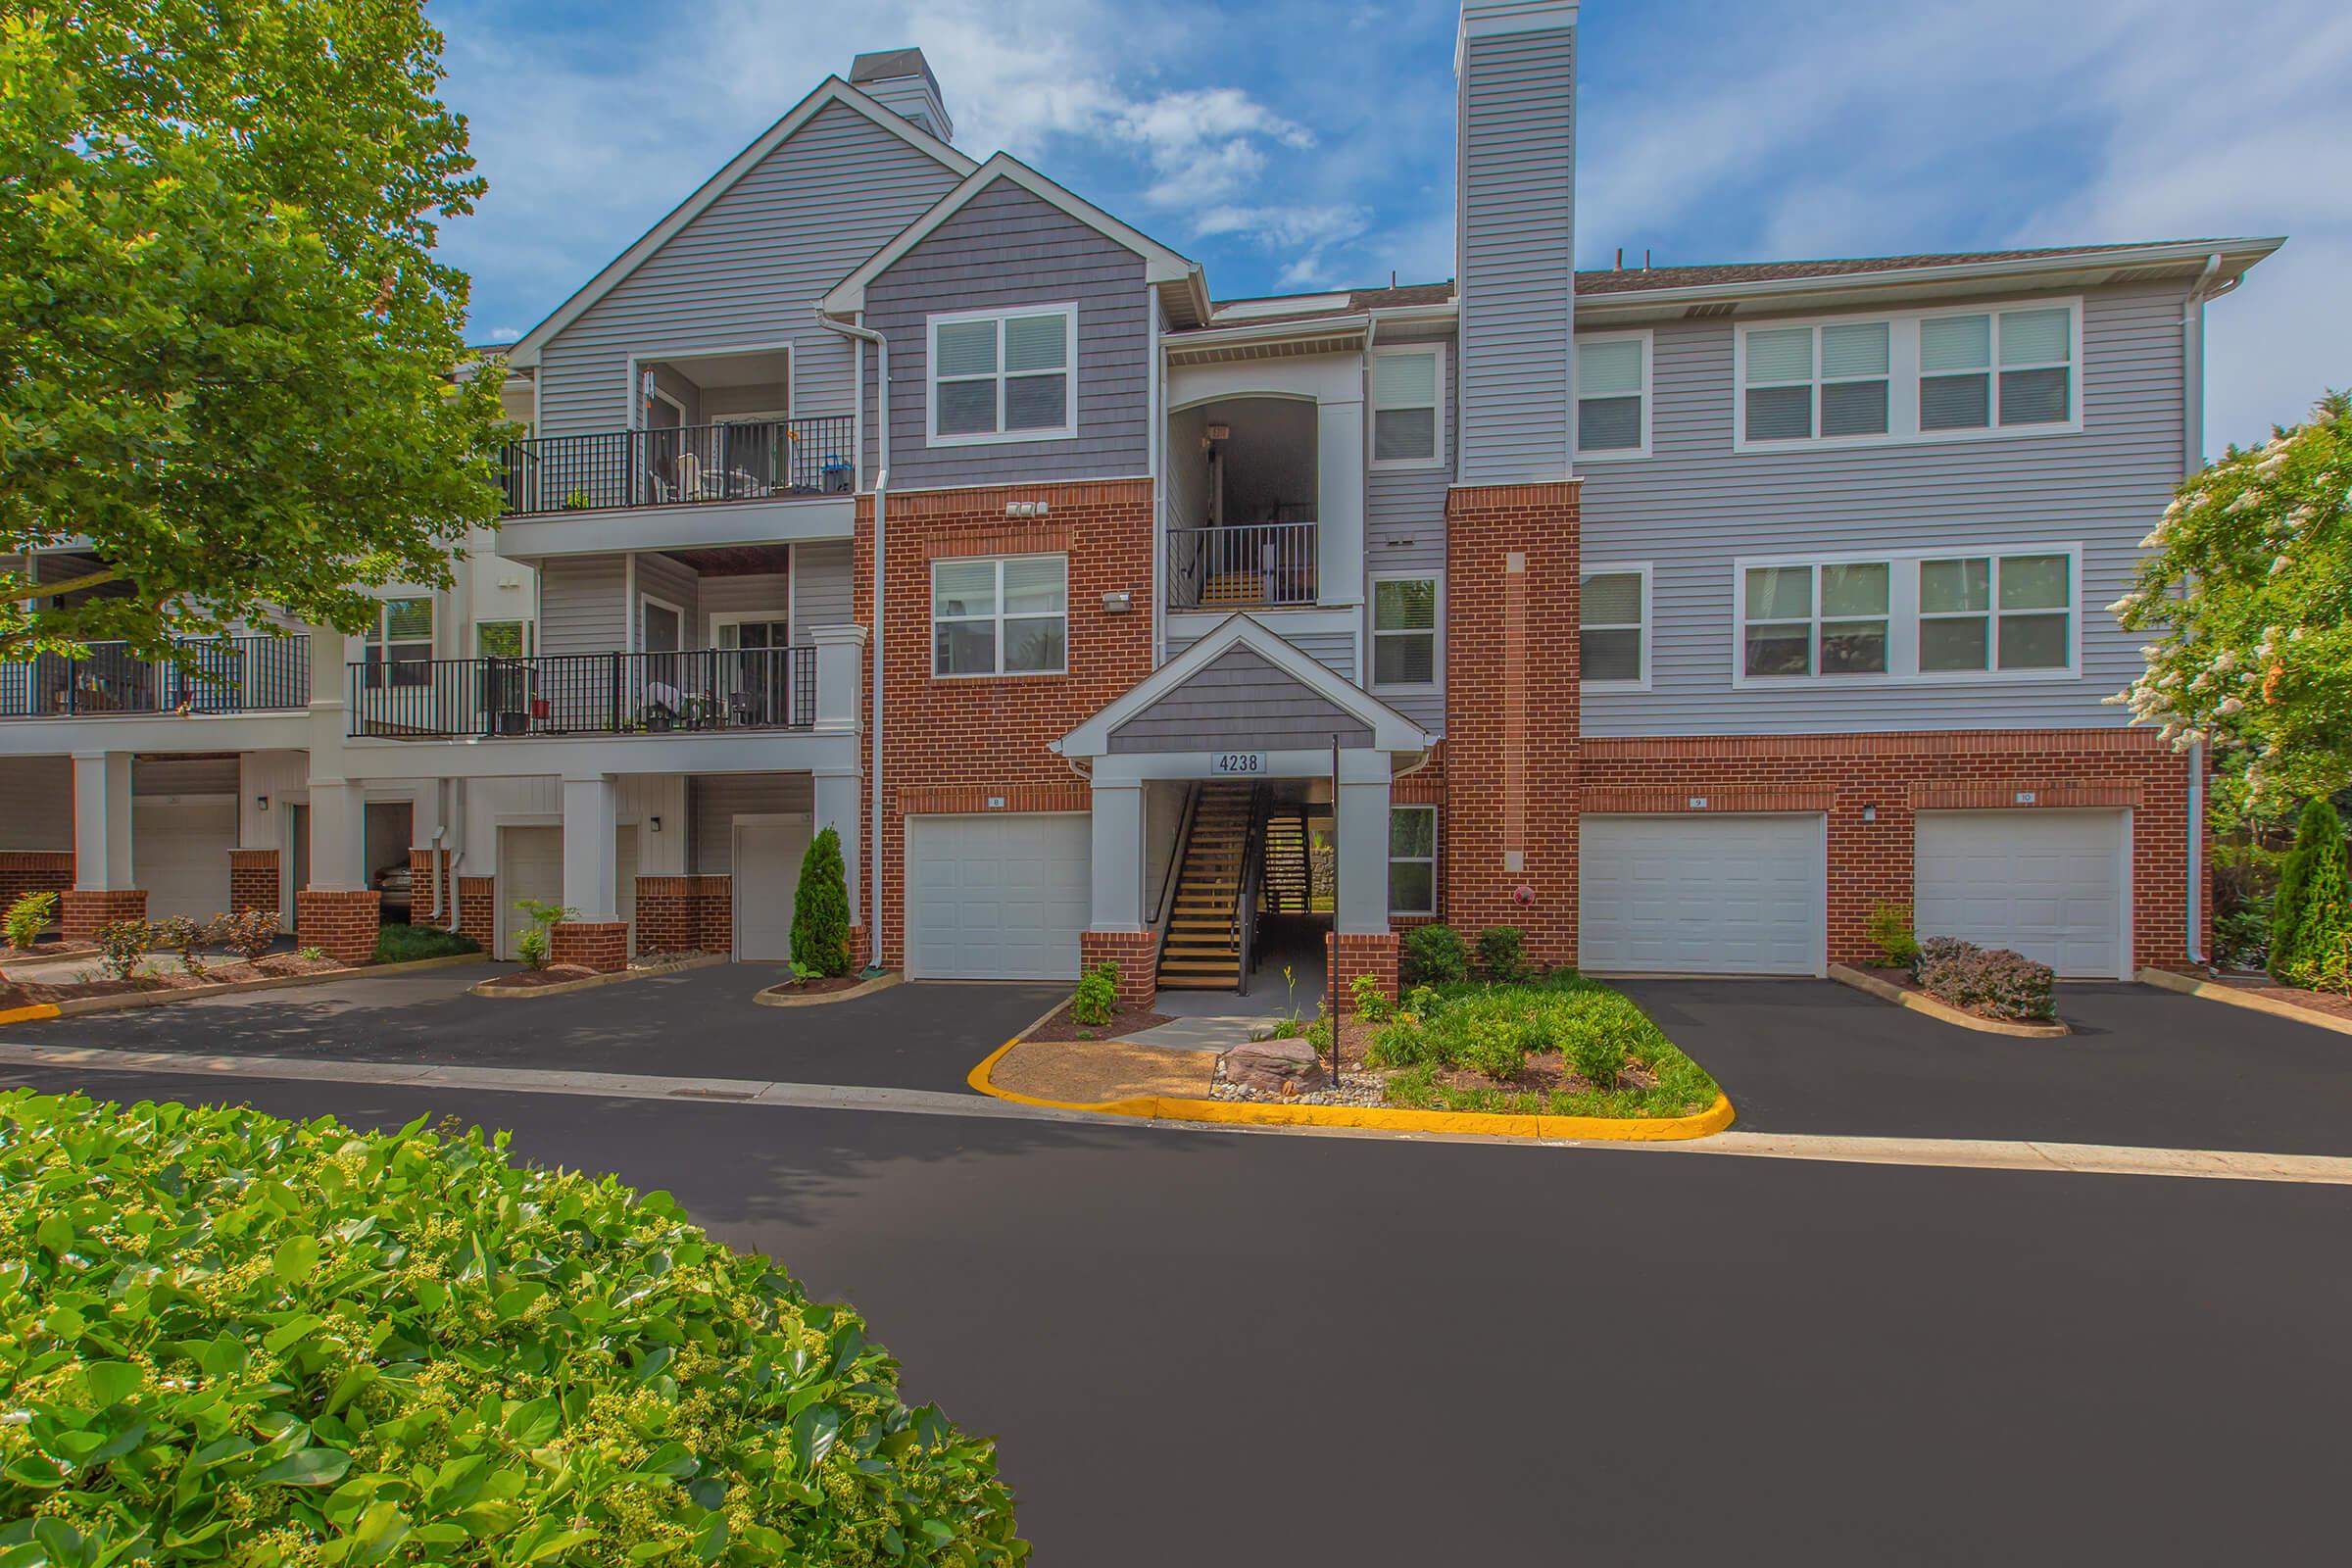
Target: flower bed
[(24, 991), (267, 1343), (1988, 982)]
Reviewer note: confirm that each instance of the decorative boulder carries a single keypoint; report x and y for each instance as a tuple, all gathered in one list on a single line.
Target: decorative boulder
[(1274, 1065)]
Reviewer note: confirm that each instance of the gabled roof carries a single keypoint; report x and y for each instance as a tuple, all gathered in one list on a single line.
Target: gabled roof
[(832, 90), (1178, 279), (1391, 730)]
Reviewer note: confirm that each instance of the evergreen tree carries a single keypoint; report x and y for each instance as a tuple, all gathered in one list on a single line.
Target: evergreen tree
[(821, 908), (2319, 835)]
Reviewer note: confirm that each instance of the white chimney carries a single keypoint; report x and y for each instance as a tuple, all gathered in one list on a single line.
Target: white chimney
[(900, 81)]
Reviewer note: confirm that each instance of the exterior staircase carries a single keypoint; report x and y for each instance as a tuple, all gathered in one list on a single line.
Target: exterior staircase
[(1202, 951), (1287, 882)]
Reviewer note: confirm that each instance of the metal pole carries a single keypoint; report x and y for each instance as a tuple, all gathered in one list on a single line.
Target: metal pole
[(1331, 978)]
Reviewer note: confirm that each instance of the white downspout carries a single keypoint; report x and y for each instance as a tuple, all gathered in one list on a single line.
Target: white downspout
[(873, 859), (2192, 458)]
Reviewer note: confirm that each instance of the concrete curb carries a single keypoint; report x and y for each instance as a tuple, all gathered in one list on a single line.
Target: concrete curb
[(1254, 1113), (1920, 1002), (77, 1007), (589, 982), (2189, 985), (788, 996)]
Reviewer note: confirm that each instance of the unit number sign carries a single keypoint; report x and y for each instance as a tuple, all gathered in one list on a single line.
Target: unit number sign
[(1239, 762)]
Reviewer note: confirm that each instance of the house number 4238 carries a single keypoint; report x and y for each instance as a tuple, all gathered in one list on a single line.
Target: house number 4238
[(1239, 762)]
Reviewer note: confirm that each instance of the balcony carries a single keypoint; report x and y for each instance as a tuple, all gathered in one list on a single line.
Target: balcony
[(1256, 566), (697, 692), (680, 465), (255, 674)]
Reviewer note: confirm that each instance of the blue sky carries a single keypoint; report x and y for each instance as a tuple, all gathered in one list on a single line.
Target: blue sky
[(1297, 145)]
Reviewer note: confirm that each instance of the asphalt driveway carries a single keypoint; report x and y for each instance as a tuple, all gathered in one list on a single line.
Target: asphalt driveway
[(700, 1023), (2143, 1067)]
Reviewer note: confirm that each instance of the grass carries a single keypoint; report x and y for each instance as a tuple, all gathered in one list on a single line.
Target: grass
[(1491, 1031), (405, 943)]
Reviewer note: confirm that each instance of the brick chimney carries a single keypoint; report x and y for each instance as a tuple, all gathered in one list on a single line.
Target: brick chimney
[(1515, 238), (901, 80)]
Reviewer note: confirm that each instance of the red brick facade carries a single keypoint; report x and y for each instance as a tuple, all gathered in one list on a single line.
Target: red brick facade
[(952, 745), (1358, 954), (253, 881), (478, 910), (1136, 953), (84, 913), (341, 923), (599, 945), (427, 868), (1507, 844), (23, 871), (678, 913)]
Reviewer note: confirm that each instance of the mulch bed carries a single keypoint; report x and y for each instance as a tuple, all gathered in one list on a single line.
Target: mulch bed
[(822, 986), (554, 974), (1123, 1022), (273, 965), (47, 948), (1894, 976)]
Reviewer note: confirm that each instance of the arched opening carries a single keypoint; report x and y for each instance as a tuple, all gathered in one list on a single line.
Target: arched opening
[(1241, 485)]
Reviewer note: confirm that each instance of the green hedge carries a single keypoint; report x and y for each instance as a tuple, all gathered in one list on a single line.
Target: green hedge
[(401, 943), (225, 1338)]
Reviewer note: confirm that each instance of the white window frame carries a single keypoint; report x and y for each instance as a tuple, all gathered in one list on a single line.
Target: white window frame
[(1068, 429), (1373, 406), (1649, 341), (1437, 632), (531, 634), (738, 618), (685, 631), (1903, 617), (1904, 377), (996, 618), (381, 638), (1648, 627), (1431, 861), (1992, 613)]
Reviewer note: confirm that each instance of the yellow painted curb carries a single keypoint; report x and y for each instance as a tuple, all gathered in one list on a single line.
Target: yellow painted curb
[(2215, 991), (39, 1009), (1259, 1114), (1920, 1002)]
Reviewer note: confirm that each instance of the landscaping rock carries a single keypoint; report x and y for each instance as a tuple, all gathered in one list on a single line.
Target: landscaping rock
[(1272, 1065)]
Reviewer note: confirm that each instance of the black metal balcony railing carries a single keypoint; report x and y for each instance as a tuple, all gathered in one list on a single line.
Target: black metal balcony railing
[(1241, 566), (206, 675), (680, 466), (585, 693)]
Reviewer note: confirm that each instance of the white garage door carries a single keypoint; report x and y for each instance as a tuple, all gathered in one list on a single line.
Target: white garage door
[(996, 897), (530, 865), (769, 850), (1702, 895), (2048, 883), (179, 847)]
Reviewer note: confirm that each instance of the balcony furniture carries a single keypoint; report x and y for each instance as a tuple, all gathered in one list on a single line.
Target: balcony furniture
[(678, 465), (589, 694)]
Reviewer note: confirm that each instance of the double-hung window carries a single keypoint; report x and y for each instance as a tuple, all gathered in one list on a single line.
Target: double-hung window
[(402, 642), (1404, 631), (1412, 859), (1613, 636), (1005, 375), (1006, 616), (1408, 396), (1828, 381), (1827, 619), (1979, 614), (1959, 388), (1910, 376), (1924, 614), (1612, 396)]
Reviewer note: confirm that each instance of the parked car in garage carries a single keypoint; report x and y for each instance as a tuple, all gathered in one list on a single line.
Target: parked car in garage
[(397, 884)]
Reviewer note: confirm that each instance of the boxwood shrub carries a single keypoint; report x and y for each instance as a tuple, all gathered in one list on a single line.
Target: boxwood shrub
[(225, 1338)]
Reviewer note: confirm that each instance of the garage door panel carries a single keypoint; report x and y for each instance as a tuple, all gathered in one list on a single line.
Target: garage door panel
[(2051, 884), (1716, 895), (179, 847), (998, 897)]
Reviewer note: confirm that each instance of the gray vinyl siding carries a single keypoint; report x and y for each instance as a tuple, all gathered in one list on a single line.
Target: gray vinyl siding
[(1334, 651), (766, 594), (1517, 248), (715, 800), (826, 593), (663, 578), (1007, 248), (1239, 701), (748, 271), (36, 802), (1696, 505), (580, 606), (1405, 532)]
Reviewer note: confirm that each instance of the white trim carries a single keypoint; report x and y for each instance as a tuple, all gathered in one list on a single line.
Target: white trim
[(832, 90), (1370, 650), (1392, 858), (658, 392), (1649, 341), (1067, 430), (1647, 627), (679, 610), (739, 617), (1903, 617), (1162, 266), (1438, 408), (1904, 377), (641, 357), (997, 616)]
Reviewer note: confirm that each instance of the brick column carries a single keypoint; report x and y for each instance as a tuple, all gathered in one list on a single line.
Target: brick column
[(341, 923), (1134, 952), (1512, 736), (427, 868), (87, 911), (599, 945), (23, 871), (253, 881), (714, 915), (478, 910), (1352, 955)]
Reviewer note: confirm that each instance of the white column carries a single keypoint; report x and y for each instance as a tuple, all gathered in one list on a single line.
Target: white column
[(102, 822), (1362, 820), (589, 809), (1118, 857), (839, 804), (338, 834), (840, 656), (1339, 502)]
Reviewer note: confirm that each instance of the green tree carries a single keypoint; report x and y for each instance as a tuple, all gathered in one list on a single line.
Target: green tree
[(2311, 919), (226, 350), (2247, 589), (821, 908), (2319, 828)]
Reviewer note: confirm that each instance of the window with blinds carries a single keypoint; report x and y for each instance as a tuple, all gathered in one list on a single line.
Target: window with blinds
[(1409, 390), (1613, 631), (1404, 631), (1914, 376), (1612, 396), (1003, 376)]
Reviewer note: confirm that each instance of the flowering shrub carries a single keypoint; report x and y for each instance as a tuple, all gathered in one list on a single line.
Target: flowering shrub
[(123, 947), (1992, 982), (2249, 591), (271, 1343), (248, 933)]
